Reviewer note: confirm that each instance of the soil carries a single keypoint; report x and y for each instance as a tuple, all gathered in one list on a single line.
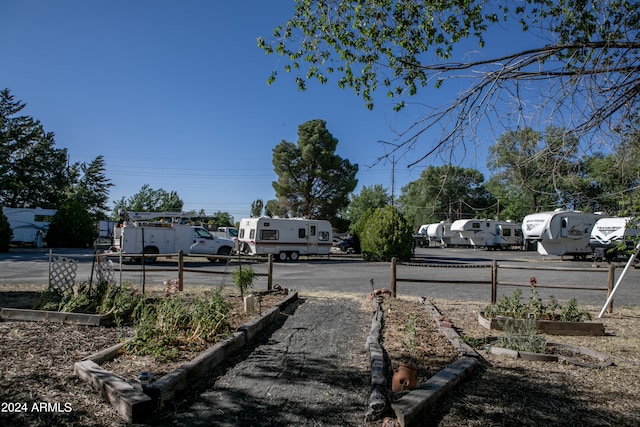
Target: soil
[(36, 366)]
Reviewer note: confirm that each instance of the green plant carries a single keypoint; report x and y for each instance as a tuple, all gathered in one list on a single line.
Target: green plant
[(71, 227), (243, 278), (164, 326), (535, 308), (522, 336), (571, 312), (476, 342), (411, 331), (384, 234)]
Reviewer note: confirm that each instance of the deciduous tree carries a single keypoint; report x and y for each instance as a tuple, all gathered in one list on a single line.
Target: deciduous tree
[(580, 64)]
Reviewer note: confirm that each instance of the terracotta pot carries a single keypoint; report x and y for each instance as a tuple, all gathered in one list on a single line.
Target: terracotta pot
[(405, 378)]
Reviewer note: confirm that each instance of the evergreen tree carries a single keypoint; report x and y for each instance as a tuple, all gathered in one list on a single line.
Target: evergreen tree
[(313, 182), (34, 172)]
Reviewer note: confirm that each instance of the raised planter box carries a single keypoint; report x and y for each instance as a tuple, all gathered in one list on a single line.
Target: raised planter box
[(135, 403), (550, 327), (54, 316), (566, 353)]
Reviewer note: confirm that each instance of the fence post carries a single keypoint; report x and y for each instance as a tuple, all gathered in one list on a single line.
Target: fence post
[(393, 277), (181, 270), (270, 276), (494, 281), (611, 278)]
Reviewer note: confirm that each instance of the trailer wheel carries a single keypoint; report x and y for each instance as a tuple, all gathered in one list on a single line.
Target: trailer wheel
[(293, 256), (282, 256), (149, 252)]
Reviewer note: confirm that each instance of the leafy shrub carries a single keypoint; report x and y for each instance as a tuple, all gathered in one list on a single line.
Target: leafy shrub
[(535, 308), (71, 227), (384, 234), (165, 326), (522, 337), (243, 278), (106, 298), (6, 233)]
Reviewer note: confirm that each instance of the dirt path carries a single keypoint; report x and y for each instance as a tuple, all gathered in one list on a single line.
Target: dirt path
[(311, 368)]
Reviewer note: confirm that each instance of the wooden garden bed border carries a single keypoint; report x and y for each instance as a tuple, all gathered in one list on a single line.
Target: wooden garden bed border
[(137, 404), (550, 327), (7, 314)]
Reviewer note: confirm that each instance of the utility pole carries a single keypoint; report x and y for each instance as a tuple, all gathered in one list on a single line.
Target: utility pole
[(393, 176)]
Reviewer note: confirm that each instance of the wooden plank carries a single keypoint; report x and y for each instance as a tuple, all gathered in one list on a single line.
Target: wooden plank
[(550, 327), (130, 402), (53, 316)]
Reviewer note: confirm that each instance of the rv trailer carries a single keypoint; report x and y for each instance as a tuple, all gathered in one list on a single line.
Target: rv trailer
[(489, 233), (560, 232), (286, 238), (609, 234), (29, 226)]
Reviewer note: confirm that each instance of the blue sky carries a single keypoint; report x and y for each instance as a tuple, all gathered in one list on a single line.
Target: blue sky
[(174, 95)]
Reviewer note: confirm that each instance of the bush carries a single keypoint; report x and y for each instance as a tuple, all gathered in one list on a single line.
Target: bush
[(71, 227), (384, 234), (6, 233)]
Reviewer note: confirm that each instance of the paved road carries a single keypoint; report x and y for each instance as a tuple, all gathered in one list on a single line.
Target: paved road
[(354, 276)]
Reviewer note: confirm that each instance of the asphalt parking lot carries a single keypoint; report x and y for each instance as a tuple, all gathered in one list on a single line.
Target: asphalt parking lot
[(351, 275)]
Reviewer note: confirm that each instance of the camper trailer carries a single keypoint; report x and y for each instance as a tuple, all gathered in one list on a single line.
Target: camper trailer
[(286, 238), (489, 233), (609, 233), (29, 226), (439, 234), (560, 232)]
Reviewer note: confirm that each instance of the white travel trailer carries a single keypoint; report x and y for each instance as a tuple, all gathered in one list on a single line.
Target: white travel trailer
[(608, 232), (489, 233), (138, 235), (560, 232), (440, 234), (29, 226), (286, 238)]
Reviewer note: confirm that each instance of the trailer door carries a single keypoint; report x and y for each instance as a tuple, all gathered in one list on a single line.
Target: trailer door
[(312, 239)]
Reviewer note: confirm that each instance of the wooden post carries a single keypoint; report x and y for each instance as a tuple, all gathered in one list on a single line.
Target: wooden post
[(494, 281), (393, 277), (610, 281), (181, 270), (270, 276)]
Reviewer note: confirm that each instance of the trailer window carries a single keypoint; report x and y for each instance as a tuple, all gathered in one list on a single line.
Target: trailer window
[(302, 233), (323, 236), (252, 234), (475, 225), (241, 233), (42, 218), (506, 232), (269, 234), (312, 230)]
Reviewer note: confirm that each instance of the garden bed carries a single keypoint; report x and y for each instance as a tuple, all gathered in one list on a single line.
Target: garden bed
[(550, 327), (560, 353), (135, 401)]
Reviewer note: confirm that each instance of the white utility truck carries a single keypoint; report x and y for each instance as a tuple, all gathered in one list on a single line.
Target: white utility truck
[(561, 232), (29, 225), (286, 238), (153, 233), (489, 233)]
